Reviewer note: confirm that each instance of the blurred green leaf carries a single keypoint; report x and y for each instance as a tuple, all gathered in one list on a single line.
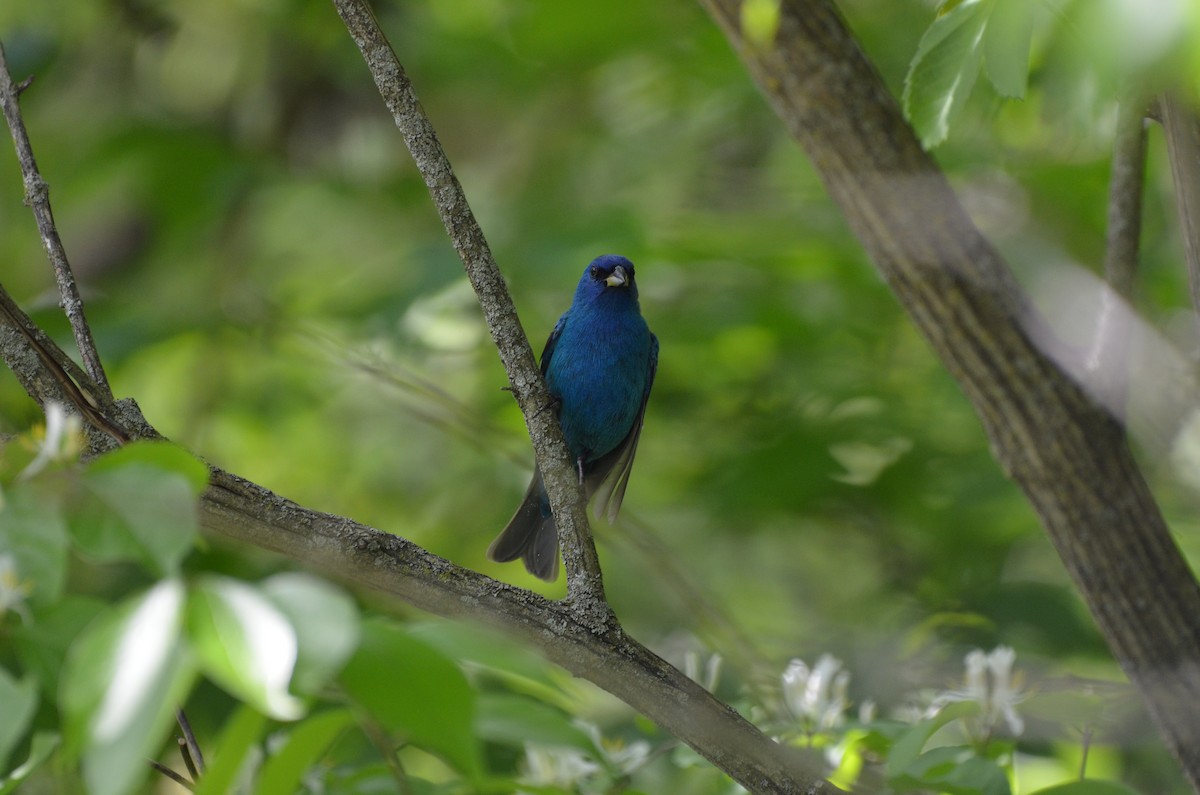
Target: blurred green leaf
[(1006, 42), (953, 769), (157, 455), (907, 748), (42, 645), (40, 749), (18, 701), (122, 681), (1087, 786), (517, 666), (415, 692), (326, 623), (33, 532), (245, 643), (305, 744), (141, 505), (943, 71), (516, 720), (225, 762)]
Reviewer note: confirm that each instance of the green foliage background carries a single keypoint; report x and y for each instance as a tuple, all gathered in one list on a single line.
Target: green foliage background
[(265, 274)]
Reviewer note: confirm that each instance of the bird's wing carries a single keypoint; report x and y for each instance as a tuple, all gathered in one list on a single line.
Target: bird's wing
[(609, 486), (552, 341)]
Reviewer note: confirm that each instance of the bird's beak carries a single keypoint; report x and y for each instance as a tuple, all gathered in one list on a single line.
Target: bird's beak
[(619, 277)]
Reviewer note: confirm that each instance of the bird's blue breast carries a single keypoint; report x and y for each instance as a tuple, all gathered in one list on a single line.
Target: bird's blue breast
[(598, 372)]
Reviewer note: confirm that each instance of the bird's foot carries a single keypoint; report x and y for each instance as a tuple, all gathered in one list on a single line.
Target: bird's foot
[(579, 468)]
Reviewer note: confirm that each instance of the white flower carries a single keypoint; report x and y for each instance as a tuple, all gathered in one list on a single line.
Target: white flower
[(556, 767), (616, 754), (817, 696), (60, 442), (1005, 695), (989, 682)]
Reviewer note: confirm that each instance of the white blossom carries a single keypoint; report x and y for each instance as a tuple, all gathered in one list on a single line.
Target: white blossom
[(990, 683), (546, 766), (817, 695), (60, 442)]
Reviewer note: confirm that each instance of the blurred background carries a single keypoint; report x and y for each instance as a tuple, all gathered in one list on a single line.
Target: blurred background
[(265, 274)]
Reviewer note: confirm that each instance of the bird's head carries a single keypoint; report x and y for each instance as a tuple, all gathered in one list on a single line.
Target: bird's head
[(608, 274)]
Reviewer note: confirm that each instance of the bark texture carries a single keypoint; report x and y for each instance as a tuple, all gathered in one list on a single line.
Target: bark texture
[(1068, 455)]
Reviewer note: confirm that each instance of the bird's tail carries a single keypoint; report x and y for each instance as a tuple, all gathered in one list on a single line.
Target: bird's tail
[(530, 535)]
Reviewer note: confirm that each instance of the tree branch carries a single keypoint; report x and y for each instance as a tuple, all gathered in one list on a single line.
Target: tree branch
[(37, 196), (247, 513), (1066, 454), (584, 582)]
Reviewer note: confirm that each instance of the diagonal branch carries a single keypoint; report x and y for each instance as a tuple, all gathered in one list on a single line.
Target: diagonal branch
[(48, 374), (37, 196), (607, 657), (1066, 453), (584, 581)]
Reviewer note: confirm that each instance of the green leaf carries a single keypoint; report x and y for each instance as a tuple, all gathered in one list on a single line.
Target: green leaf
[(122, 680), (944, 69), (18, 701), (225, 762), (33, 532), (1087, 786), (326, 623), (42, 645), (306, 743), (1006, 42), (908, 746), (245, 644), (40, 748), (520, 669), (415, 691), (141, 506), (515, 720), (159, 455)]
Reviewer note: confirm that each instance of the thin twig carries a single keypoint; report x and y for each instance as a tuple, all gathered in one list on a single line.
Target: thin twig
[(584, 580), (37, 196), (1125, 198), (171, 774), (1110, 356), (387, 749), (58, 378), (1183, 148), (193, 757)]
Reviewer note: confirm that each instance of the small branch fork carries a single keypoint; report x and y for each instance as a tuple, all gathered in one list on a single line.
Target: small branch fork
[(37, 196), (584, 581)]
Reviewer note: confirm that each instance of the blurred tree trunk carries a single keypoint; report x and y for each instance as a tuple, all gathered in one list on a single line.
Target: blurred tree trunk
[(1067, 454)]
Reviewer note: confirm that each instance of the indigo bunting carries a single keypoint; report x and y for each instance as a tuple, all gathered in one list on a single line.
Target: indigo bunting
[(599, 365)]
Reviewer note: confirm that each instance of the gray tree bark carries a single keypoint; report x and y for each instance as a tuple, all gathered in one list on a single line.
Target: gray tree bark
[(1066, 453)]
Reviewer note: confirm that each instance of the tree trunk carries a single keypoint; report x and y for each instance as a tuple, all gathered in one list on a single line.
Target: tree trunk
[(1066, 453)]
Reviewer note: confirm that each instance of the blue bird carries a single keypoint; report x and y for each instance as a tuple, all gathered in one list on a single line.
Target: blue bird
[(599, 365)]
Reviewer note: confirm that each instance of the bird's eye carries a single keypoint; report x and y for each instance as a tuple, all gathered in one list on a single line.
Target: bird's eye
[(595, 269)]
